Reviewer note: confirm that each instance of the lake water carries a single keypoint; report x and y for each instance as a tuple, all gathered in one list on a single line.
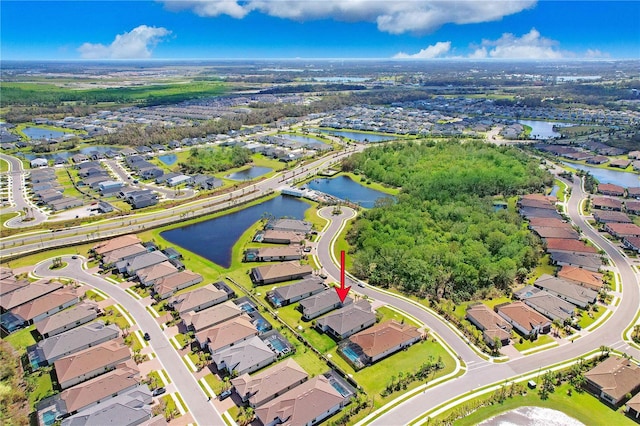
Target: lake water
[(543, 129), (341, 79), (554, 190), (532, 416), (214, 238), (39, 133), (303, 139), (360, 137), (625, 179), (250, 173), (168, 159), (346, 189)]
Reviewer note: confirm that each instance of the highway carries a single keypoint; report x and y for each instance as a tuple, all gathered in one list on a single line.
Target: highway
[(479, 371), (202, 410)]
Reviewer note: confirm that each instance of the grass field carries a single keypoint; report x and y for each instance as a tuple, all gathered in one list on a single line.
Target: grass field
[(41, 385), (115, 317), (4, 166), (21, 339), (544, 267), (582, 406), (39, 257), (542, 339)]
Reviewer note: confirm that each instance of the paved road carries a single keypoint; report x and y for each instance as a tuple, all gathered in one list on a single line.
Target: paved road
[(202, 410), (23, 244), (481, 372), (18, 197)]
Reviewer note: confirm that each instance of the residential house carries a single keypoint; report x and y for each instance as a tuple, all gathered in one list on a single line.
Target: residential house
[(144, 260), (597, 159), (179, 180), (150, 172), (551, 232), (610, 189), (94, 391), (172, 253), (140, 201), (529, 212), (167, 286), (633, 192), (91, 362), (273, 254), (109, 186), (321, 303), (632, 207), (42, 307), (621, 230), (200, 320), (578, 295), (130, 408), (609, 216), (165, 177), (279, 272), (548, 223), (607, 203), (27, 293), (226, 334), (583, 277), (384, 339), (282, 237), (245, 357), (149, 275), (49, 350), (633, 407), (291, 225), (124, 253), (10, 284), (584, 260), (269, 383), (197, 300), (569, 246), (289, 294), (79, 158), (348, 320), (550, 306), (613, 379), (307, 404), (38, 162), (490, 323), (620, 163), (67, 319), (632, 243), (526, 320), (105, 247)]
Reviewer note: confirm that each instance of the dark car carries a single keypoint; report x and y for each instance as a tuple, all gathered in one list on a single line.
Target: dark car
[(307, 249), (224, 394), (74, 257), (147, 337), (159, 391)]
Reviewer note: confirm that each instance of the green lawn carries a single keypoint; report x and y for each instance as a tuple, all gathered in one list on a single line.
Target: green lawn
[(389, 314), (542, 339), (156, 381), (560, 194), (133, 342), (544, 267), (362, 180), (586, 320), (4, 166), (21, 339), (41, 384), (182, 339), (115, 317), (582, 406), (341, 244), (308, 360), (214, 383), (92, 295), (39, 257), (460, 310), (375, 378), (320, 341)]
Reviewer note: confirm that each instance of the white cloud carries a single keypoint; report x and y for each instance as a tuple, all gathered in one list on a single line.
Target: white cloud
[(595, 54), (135, 44), (430, 52), (530, 46), (395, 17)]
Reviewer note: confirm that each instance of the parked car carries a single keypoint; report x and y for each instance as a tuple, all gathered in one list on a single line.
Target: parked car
[(147, 337), (224, 394), (159, 391), (306, 249)]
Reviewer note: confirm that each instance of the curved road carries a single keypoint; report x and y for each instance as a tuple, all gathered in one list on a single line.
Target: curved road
[(202, 410), (481, 372), (17, 196)]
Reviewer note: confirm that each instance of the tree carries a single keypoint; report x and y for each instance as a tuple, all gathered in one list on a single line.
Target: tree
[(245, 416), (497, 345)]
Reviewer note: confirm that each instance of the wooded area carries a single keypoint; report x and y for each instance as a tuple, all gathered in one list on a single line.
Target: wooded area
[(443, 237), (212, 160)]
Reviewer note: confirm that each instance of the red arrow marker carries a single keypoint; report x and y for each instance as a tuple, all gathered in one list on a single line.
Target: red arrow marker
[(342, 290)]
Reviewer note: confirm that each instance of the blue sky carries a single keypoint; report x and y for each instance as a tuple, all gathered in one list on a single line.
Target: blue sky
[(422, 29)]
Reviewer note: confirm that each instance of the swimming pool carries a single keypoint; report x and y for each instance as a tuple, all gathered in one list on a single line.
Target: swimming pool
[(49, 417), (351, 354), (341, 389), (278, 345), (247, 307), (262, 325)]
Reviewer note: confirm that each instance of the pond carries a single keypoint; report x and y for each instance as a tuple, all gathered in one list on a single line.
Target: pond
[(250, 173), (543, 129), (360, 137), (168, 159), (624, 179), (554, 190), (40, 133), (67, 154), (214, 239), (532, 416), (303, 139), (345, 188)]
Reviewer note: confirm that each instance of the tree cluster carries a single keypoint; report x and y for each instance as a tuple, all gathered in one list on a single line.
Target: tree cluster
[(442, 236), (212, 160)]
